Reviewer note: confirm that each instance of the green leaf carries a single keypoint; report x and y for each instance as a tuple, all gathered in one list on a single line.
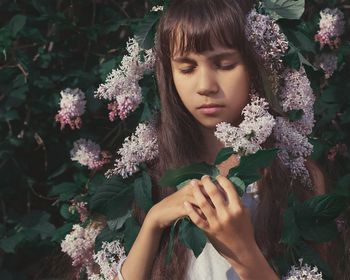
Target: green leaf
[(143, 191), (319, 231), (224, 154), (192, 237), (239, 185), (174, 177), (295, 115), (114, 198), (61, 232), (16, 24), (132, 229), (343, 186), (290, 231), (248, 168), (10, 243), (65, 191), (289, 9), (118, 223), (327, 206), (171, 244), (145, 30)]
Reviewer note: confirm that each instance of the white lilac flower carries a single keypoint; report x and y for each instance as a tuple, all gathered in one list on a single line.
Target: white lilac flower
[(296, 93), (157, 8), (72, 107), (331, 27), (81, 208), (140, 147), (251, 132), (266, 37), (303, 272), (108, 258), (79, 245), (294, 148), (328, 63), (122, 85), (88, 153)]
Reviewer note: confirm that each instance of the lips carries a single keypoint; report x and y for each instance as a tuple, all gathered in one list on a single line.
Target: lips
[(210, 109)]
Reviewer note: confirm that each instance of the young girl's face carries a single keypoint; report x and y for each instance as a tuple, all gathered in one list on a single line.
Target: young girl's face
[(218, 79)]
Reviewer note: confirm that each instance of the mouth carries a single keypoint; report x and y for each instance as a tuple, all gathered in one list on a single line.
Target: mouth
[(210, 108)]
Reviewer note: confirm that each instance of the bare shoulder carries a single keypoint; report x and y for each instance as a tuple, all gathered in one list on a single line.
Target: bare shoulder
[(317, 176)]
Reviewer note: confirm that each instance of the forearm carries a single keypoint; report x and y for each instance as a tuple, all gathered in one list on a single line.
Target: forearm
[(252, 265), (138, 265)]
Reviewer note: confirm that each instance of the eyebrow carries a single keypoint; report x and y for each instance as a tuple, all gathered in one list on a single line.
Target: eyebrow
[(221, 55)]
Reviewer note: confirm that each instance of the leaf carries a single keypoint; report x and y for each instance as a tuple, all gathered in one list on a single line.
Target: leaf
[(114, 198), (319, 231), (327, 206), (132, 229), (223, 155), (118, 223), (192, 237), (171, 244), (143, 191), (239, 185), (343, 186), (61, 232), (65, 191), (145, 30), (10, 243), (248, 168), (16, 24), (174, 177), (295, 115), (290, 231), (289, 9)]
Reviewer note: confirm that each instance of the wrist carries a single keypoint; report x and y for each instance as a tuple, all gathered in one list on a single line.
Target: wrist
[(151, 221)]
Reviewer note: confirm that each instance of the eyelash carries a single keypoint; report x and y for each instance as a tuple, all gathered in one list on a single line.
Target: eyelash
[(225, 67)]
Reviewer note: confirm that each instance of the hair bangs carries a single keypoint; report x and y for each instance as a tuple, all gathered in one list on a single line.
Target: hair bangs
[(201, 28)]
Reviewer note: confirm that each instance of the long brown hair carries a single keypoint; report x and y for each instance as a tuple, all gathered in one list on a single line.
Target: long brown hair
[(196, 25)]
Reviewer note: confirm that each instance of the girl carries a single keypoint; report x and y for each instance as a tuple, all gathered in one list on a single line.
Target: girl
[(205, 70)]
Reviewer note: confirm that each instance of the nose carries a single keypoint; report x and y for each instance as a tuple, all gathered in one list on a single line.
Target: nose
[(207, 82)]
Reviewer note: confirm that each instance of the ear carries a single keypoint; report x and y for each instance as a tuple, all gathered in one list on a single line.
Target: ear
[(317, 176)]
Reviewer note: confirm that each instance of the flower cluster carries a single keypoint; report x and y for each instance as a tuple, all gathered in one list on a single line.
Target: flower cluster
[(265, 35), (331, 27), (88, 153), (157, 8), (251, 132), (81, 208), (122, 85), (79, 245), (108, 258), (328, 63), (72, 107), (303, 272), (140, 147)]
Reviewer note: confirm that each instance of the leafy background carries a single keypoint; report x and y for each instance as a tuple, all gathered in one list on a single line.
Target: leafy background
[(46, 46)]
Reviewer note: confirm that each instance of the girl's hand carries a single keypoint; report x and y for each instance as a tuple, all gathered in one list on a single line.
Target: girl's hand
[(172, 207), (226, 221)]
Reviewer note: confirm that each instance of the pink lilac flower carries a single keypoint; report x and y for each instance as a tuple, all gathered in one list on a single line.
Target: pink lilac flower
[(72, 107), (108, 258), (79, 245), (331, 27), (140, 147), (294, 148), (303, 272), (251, 132), (89, 154), (81, 208), (328, 63), (266, 37), (297, 94), (122, 85)]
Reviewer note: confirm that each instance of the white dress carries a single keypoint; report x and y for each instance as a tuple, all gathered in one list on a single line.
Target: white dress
[(210, 265)]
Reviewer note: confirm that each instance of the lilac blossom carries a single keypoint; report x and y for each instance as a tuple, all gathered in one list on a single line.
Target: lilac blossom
[(251, 132), (331, 27), (265, 35), (328, 63), (294, 148), (303, 272), (89, 154), (108, 258), (140, 147), (121, 87), (297, 94), (157, 8), (81, 208), (79, 245), (72, 107)]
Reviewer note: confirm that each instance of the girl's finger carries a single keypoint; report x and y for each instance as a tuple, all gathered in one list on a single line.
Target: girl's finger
[(214, 193), (230, 190), (202, 202), (195, 217)]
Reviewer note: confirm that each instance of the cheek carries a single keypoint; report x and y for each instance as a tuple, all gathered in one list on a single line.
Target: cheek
[(184, 90)]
